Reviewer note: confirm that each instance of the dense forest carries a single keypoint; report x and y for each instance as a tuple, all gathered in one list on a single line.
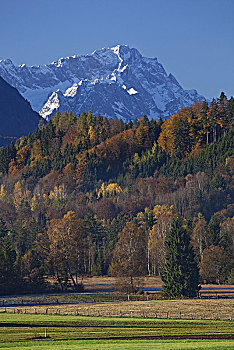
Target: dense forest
[(79, 190)]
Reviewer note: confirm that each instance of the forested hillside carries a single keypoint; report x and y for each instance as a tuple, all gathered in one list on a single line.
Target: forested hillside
[(75, 190)]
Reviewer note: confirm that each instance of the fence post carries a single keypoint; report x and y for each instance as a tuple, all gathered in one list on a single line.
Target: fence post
[(155, 315)]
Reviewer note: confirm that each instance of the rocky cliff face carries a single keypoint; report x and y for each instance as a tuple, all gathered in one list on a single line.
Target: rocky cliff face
[(115, 82)]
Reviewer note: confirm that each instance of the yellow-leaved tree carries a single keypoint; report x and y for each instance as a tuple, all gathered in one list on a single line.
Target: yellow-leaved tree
[(111, 190), (129, 260), (163, 215), (66, 241), (2, 192)]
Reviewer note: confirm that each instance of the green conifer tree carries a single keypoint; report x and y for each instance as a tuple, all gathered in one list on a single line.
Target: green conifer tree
[(181, 275)]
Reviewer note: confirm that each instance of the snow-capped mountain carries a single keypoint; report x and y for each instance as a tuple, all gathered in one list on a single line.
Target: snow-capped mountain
[(113, 82)]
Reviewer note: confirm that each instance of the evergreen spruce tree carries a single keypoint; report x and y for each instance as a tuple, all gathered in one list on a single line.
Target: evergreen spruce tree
[(181, 276)]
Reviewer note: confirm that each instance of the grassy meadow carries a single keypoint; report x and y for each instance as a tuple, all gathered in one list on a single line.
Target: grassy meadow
[(123, 345), (80, 324), (21, 331)]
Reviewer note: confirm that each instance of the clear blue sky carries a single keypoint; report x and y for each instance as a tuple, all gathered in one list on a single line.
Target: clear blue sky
[(193, 39)]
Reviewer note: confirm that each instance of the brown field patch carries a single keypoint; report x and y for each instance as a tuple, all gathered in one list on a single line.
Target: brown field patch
[(187, 308), (103, 282), (100, 282)]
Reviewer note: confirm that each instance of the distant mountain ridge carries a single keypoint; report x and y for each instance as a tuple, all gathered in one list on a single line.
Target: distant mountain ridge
[(114, 82), (16, 115)]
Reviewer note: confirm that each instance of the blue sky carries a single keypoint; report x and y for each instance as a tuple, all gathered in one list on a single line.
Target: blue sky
[(194, 40)]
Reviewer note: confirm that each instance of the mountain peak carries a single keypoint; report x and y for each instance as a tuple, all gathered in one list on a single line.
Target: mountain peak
[(7, 62), (115, 82), (119, 48), (124, 51)]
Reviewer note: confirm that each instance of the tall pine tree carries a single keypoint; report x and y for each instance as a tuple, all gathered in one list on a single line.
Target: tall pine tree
[(181, 275)]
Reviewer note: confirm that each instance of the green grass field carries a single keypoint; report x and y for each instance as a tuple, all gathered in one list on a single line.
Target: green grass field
[(21, 331), (122, 345)]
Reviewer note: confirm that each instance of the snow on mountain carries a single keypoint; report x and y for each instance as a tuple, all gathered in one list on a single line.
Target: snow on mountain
[(115, 82)]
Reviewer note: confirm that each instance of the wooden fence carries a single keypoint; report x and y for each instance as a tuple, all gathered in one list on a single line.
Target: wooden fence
[(107, 297), (128, 313)]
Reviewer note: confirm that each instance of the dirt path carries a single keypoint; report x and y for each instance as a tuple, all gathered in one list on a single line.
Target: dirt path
[(166, 337)]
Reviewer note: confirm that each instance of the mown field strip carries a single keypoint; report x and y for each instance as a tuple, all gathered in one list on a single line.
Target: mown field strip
[(28, 327), (123, 345)]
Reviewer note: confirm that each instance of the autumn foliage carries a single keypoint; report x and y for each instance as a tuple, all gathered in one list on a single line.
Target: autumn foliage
[(88, 195)]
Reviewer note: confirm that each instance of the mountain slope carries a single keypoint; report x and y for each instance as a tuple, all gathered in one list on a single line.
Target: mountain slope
[(16, 115), (115, 82)]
